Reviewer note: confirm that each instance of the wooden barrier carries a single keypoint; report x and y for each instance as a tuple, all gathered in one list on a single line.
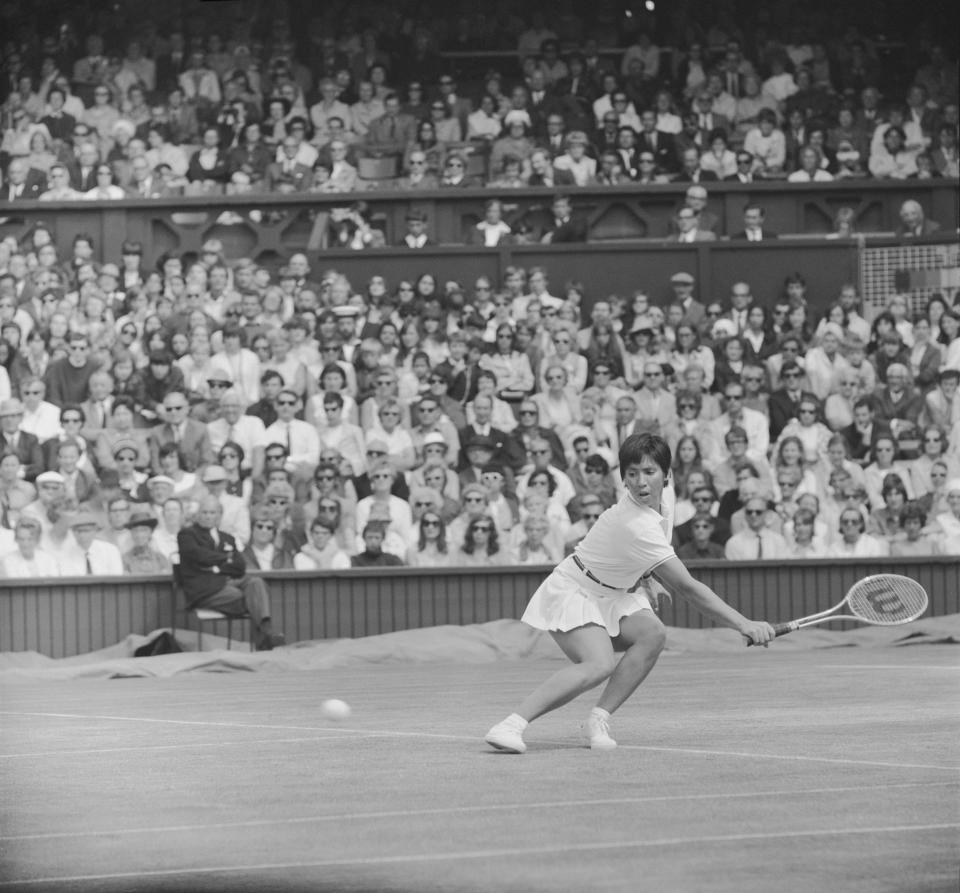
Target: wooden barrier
[(73, 616), (284, 224)]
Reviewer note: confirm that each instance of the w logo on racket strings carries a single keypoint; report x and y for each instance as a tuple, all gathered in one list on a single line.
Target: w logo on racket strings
[(885, 601)]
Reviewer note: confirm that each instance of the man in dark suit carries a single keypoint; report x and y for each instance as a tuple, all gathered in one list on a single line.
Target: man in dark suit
[(696, 198), (505, 451), (783, 403), (213, 574), (23, 182), (24, 444), (864, 431), (83, 168), (702, 498), (691, 172), (694, 313), (753, 230), (528, 430), (191, 435), (416, 237), (566, 227), (913, 223), (744, 172), (663, 145)]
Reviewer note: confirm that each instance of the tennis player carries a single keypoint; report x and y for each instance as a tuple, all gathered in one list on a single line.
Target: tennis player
[(588, 606)]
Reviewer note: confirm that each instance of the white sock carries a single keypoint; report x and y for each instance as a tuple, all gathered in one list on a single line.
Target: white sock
[(600, 713), (515, 719)]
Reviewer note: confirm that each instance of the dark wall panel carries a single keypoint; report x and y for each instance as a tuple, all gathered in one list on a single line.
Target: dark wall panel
[(79, 615)]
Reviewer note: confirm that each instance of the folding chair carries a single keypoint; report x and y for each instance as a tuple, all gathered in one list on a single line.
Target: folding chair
[(201, 615)]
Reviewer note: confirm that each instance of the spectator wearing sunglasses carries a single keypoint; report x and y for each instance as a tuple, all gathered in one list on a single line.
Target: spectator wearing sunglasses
[(701, 545), (299, 437), (590, 509), (480, 546), (431, 548), (757, 541), (190, 436), (395, 512)]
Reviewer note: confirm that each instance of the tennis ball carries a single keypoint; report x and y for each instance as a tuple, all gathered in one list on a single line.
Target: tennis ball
[(335, 710)]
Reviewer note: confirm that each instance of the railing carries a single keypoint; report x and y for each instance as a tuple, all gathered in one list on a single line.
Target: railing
[(73, 616), (287, 223)]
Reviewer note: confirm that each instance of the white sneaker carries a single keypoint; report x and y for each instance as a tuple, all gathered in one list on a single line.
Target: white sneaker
[(598, 731), (506, 736)]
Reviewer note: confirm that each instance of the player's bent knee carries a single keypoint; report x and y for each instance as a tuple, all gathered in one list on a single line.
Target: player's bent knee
[(652, 638), (601, 668)]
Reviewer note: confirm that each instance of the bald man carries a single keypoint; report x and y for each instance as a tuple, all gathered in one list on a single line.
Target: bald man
[(914, 223), (214, 575)]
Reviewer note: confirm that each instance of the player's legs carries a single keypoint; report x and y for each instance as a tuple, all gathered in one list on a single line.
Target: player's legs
[(593, 660), (644, 635)]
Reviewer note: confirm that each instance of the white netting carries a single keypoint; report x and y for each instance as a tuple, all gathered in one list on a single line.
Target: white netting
[(887, 599), (917, 270)]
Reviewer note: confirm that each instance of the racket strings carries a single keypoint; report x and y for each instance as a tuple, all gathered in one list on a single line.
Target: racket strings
[(887, 599)]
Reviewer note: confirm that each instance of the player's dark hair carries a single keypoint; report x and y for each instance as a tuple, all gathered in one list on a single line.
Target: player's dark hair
[(640, 446)]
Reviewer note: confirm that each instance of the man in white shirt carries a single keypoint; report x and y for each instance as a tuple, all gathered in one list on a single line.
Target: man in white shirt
[(235, 516), (247, 431), (300, 438), (757, 542), (88, 556), (741, 297), (40, 418), (27, 560), (754, 423)]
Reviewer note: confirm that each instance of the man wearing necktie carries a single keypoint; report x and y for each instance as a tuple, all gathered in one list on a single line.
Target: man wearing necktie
[(190, 435), (214, 575), (300, 438), (753, 230), (89, 556), (757, 542)]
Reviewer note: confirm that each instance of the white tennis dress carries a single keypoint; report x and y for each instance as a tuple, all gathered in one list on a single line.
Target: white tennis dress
[(628, 541)]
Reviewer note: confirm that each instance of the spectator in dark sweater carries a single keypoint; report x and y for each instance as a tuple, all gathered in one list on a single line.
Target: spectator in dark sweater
[(701, 546), (68, 379), (372, 555)]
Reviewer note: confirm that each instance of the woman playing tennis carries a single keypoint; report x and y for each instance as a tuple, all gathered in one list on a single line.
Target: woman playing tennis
[(586, 605)]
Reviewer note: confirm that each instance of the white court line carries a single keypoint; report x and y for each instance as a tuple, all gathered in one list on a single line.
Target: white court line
[(644, 843), (391, 733), (459, 810), (186, 746), (950, 667)]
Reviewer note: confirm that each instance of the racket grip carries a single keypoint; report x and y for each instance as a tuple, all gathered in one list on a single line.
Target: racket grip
[(779, 629)]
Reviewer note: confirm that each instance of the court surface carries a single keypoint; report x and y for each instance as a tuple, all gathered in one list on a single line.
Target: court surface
[(832, 770)]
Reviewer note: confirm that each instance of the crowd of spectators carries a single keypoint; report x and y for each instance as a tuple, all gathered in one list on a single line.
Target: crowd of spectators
[(160, 114), (431, 423)]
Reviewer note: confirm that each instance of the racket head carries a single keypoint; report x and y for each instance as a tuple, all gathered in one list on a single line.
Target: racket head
[(886, 599)]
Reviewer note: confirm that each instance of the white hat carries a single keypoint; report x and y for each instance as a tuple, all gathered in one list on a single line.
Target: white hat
[(724, 328), (214, 473), (952, 486), (51, 477), (162, 479)]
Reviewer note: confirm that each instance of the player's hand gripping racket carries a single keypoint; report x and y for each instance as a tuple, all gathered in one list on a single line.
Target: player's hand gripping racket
[(882, 600)]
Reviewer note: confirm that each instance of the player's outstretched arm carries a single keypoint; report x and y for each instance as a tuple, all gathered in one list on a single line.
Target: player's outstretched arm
[(675, 576)]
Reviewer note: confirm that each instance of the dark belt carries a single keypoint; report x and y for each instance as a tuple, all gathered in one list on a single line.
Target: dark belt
[(589, 574)]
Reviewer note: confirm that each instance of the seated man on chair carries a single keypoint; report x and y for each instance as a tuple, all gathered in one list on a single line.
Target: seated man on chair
[(214, 575)]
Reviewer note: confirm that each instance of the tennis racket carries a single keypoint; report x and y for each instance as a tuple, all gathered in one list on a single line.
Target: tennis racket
[(881, 600)]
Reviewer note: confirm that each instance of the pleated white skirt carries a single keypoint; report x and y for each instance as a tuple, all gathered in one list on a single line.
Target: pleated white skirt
[(567, 600)]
